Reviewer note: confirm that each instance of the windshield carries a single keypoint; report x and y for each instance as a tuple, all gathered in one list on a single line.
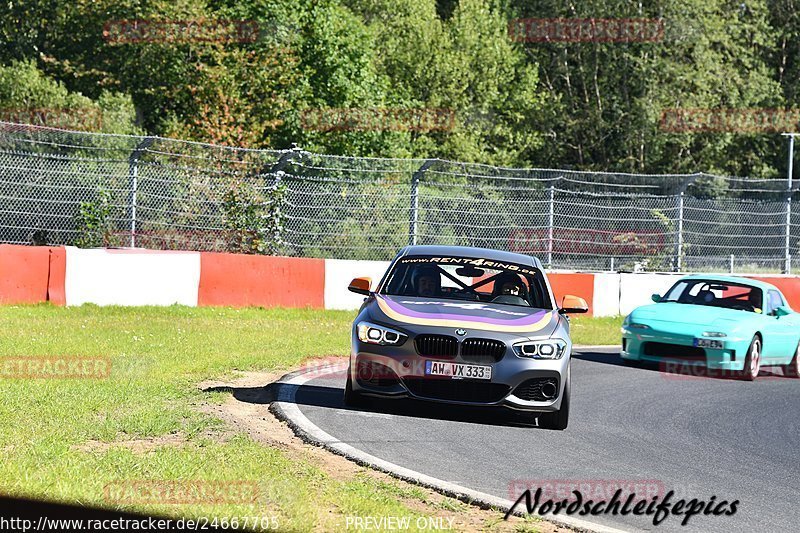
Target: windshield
[(716, 294), (461, 278)]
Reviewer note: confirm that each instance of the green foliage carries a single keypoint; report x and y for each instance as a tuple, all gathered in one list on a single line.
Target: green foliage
[(606, 98), (27, 95), (93, 221), (584, 105), (254, 219)]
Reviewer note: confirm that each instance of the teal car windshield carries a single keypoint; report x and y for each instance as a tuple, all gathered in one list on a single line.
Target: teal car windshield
[(715, 293)]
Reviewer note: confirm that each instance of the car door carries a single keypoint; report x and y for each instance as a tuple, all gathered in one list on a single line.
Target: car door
[(780, 335)]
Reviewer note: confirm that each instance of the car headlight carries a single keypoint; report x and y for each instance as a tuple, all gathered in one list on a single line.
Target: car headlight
[(714, 334), (544, 349), (628, 324), (375, 334)]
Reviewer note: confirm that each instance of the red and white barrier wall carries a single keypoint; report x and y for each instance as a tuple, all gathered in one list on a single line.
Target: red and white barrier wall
[(73, 276)]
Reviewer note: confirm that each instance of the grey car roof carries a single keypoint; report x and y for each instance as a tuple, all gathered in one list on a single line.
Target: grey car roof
[(472, 253)]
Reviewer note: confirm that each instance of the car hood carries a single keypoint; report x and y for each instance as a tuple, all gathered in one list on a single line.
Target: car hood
[(699, 315), (464, 314)]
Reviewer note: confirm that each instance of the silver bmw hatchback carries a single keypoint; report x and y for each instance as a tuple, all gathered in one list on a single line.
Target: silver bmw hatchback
[(467, 326)]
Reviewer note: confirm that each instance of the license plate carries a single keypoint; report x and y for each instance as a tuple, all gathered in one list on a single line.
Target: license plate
[(708, 343), (457, 370)]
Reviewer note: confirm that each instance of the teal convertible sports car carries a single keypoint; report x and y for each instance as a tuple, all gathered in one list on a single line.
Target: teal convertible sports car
[(732, 325)]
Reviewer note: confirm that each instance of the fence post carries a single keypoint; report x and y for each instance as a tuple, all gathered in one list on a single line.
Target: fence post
[(679, 227), (679, 236), (276, 171), (282, 162), (788, 255), (550, 223), (133, 179), (413, 218)]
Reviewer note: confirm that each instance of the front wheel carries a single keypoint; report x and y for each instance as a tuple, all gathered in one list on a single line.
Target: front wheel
[(351, 397), (752, 363), (792, 370), (558, 420)]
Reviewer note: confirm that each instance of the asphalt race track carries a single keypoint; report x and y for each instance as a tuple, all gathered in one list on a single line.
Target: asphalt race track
[(698, 436)]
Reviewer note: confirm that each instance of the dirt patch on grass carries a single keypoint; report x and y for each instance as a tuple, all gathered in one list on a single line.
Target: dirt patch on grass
[(139, 446), (247, 410)]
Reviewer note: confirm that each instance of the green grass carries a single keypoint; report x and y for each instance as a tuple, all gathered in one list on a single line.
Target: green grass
[(159, 355), (595, 331)]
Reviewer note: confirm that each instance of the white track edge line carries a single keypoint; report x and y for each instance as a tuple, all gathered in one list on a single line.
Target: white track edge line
[(286, 402)]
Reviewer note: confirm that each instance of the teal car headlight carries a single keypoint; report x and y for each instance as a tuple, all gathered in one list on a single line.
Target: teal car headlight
[(544, 349), (375, 334), (628, 323)]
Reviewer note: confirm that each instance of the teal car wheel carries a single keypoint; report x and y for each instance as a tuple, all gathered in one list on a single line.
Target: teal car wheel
[(752, 363), (793, 368)]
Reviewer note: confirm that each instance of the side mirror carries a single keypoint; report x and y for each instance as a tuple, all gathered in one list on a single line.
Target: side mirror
[(573, 304), (782, 311), (656, 297), (360, 286)]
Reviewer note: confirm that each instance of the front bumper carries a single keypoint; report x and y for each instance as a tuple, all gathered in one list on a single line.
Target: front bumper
[(674, 349), (399, 372)]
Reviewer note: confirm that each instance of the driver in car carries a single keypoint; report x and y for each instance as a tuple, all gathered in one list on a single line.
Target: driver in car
[(509, 289), (426, 282)]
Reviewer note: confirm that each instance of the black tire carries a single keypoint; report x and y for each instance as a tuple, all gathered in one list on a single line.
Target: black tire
[(792, 370), (558, 420), (353, 398), (752, 363)]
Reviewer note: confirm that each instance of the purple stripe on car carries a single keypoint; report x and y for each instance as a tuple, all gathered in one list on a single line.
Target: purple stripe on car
[(437, 315)]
